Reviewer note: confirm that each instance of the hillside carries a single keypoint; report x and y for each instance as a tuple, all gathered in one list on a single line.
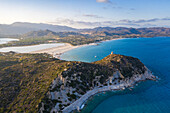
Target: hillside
[(38, 82), (86, 36), (46, 33), (40, 33), (19, 28), (128, 32)]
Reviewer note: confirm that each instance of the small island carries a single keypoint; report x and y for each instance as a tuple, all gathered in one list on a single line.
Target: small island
[(42, 83)]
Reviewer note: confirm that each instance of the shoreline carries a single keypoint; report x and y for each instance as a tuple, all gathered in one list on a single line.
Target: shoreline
[(79, 104), (59, 50)]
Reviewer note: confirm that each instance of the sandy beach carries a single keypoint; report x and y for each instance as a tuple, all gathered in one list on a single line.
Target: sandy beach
[(59, 50)]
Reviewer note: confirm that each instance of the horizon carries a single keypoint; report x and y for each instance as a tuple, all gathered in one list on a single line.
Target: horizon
[(82, 14), (85, 28)]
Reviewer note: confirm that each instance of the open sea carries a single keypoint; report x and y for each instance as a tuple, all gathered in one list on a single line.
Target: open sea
[(146, 97)]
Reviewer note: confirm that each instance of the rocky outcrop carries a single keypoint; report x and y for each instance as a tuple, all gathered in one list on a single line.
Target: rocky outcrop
[(41, 83), (81, 80), (78, 104)]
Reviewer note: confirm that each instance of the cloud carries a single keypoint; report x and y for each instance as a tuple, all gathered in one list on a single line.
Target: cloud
[(155, 22), (103, 1), (145, 21), (84, 24), (110, 4), (92, 16)]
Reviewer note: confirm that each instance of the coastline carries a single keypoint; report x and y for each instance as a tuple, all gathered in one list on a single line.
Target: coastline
[(59, 50), (80, 103)]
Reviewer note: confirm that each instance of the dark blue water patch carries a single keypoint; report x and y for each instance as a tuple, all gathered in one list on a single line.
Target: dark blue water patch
[(148, 97)]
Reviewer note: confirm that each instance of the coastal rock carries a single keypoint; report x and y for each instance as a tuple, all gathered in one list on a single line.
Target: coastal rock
[(83, 80), (41, 83)]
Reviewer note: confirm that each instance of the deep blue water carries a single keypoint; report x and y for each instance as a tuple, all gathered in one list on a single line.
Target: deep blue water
[(147, 97)]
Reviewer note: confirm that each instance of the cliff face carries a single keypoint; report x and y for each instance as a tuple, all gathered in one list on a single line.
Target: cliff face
[(40, 83)]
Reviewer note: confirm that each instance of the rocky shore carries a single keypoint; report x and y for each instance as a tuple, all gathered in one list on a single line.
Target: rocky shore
[(76, 84), (78, 104)]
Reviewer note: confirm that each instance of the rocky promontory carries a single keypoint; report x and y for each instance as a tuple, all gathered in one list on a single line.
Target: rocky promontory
[(80, 80), (41, 83)]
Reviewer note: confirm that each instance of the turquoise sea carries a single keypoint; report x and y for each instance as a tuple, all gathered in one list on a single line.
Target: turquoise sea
[(147, 97)]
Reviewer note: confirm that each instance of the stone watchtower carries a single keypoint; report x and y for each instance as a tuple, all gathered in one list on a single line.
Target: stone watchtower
[(112, 53)]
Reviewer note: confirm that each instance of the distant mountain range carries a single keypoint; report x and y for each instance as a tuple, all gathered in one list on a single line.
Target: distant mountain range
[(104, 32), (42, 33), (39, 33), (109, 31), (24, 27), (34, 29)]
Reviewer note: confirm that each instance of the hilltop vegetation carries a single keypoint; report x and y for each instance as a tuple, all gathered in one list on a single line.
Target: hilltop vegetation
[(24, 80), (128, 32), (86, 36), (125, 64), (27, 80)]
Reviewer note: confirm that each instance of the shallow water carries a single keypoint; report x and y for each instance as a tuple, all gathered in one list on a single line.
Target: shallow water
[(27, 49), (149, 96)]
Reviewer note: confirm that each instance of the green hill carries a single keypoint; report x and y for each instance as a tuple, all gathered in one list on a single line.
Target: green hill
[(28, 80)]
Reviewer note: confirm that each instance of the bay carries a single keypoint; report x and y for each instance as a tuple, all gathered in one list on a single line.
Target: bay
[(147, 97)]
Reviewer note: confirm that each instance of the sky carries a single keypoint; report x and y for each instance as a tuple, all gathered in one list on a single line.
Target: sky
[(88, 13)]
